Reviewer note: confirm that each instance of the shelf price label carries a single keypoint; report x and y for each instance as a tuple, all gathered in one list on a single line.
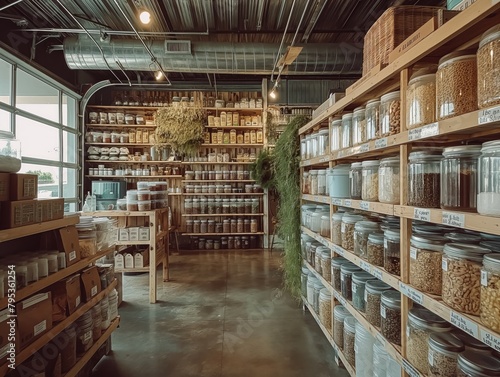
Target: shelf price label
[(453, 219), (324, 159), (337, 202), (464, 323), (411, 293), (381, 143), (423, 132), (364, 148), (365, 266), (347, 203), (490, 340), (412, 372), (377, 273), (422, 214), (489, 115), (365, 206)]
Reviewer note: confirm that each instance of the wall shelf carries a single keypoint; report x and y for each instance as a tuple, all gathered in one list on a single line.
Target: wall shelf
[(118, 126)]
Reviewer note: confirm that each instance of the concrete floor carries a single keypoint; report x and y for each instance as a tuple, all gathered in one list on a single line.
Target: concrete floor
[(222, 314)]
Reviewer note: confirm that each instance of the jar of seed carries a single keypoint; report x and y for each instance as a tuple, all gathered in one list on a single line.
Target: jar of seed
[(426, 262), (348, 223), (325, 309), (349, 340), (443, 353), (392, 252), (359, 280), (375, 249), (326, 268), (339, 315), (390, 316), (369, 182), (346, 271), (337, 228), (362, 229), (355, 178), (388, 180), (373, 297)]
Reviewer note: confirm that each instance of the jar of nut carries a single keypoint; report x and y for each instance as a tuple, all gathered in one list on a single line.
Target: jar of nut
[(488, 65), (462, 263), (421, 100), (471, 364), (456, 85), (425, 262), (347, 229), (369, 182), (390, 114), (490, 292), (443, 352)]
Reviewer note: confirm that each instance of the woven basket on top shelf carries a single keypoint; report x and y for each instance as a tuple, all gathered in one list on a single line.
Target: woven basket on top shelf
[(392, 28)]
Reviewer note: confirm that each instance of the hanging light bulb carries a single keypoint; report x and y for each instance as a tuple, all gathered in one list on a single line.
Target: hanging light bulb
[(159, 75), (145, 17), (272, 93)]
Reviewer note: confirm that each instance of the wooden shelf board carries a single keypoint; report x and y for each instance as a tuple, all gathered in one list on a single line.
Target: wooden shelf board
[(235, 127), (387, 209), (326, 283), (222, 215), (232, 145), (122, 107), (123, 213), (218, 163), (317, 198), (224, 234), (133, 162), (219, 180), (225, 194), (135, 269), (131, 243), (122, 144), (322, 160), (91, 125), (235, 109), (133, 176), (28, 230)]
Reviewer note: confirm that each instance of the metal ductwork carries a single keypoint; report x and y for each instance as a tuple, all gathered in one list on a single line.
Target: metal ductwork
[(81, 52)]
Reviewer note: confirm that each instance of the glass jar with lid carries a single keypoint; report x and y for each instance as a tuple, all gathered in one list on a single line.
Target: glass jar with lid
[(424, 179), (467, 238), (308, 141), (362, 229), (373, 296), (325, 309), (421, 100), (488, 198), (305, 182), (346, 271), (443, 352), (426, 262), (355, 178), (359, 280), (459, 177), (390, 114), (325, 225), (311, 281), (388, 180), (203, 206), (369, 182), (339, 181), (203, 226), (321, 182), (363, 348), (420, 325), (488, 66), (196, 206), (339, 314), (392, 252), (313, 182), (318, 286), (471, 364), (372, 116), (337, 228), (348, 224), (456, 84), (390, 316), (304, 274), (349, 340), (346, 131), (490, 291), (358, 126), (336, 264), (471, 343), (10, 153), (335, 134), (375, 249), (380, 360), (326, 268), (210, 206), (323, 142), (188, 206), (210, 226), (462, 263), (314, 145)]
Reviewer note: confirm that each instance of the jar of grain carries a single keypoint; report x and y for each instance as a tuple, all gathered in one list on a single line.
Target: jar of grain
[(390, 316), (349, 340), (347, 228), (443, 353), (362, 229), (375, 249), (373, 296), (392, 252), (325, 309), (372, 116), (488, 198), (425, 262), (355, 179), (346, 271), (456, 85), (421, 101), (490, 291), (388, 180), (318, 286), (340, 313), (346, 141), (390, 114), (313, 182), (424, 179), (337, 228), (369, 182), (239, 226), (421, 324), (358, 126), (326, 259), (335, 134), (488, 66), (459, 177), (462, 262), (359, 280)]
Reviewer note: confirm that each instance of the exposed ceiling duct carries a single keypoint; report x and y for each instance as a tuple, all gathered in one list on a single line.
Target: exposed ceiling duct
[(212, 57)]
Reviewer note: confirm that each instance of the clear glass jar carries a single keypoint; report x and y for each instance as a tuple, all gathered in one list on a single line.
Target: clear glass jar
[(346, 131), (196, 206), (373, 297), (424, 179), (363, 347), (420, 325), (462, 263), (390, 114), (390, 316), (362, 229), (380, 360), (348, 223), (318, 286), (426, 262), (346, 271), (336, 264), (325, 309), (339, 181), (388, 180), (10, 153), (325, 226), (305, 183), (203, 226), (255, 205), (392, 253), (335, 134), (340, 313), (317, 259), (326, 268), (358, 126), (304, 274), (355, 178), (456, 85), (314, 145), (359, 280), (210, 226), (323, 142), (369, 182), (322, 182), (459, 178), (188, 206), (443, 352), (488, 66), (470, 364), (349, 340), (488, 198), (490, 291), (421, 101), (313, 182), (311, 281), (337, 228), (210, 206), (375, 249), (372, 116)]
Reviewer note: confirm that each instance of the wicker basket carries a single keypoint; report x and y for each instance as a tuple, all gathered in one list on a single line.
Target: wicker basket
[(390, 30)]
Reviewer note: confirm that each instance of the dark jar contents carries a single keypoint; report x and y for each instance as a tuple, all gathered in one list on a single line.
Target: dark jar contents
[(218, 228), (246, 226), (390, 313), (234, 226), (230, 242), (392, 259), (237, 242), (226, 226), (424, 179), (211, 226), (240, 226)]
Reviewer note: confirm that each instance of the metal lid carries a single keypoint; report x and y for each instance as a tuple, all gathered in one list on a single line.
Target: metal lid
[(338, 261), (490, 237), (351, 218), (432, 154), (340, 312), (434, 242), (376, 286), (361, 277), (377, 238), (456, 56), (359, 109), (462, 151), (463, 237), (490, 146), (391, 298), (391, 95), (349, 268), (466, 251), (366, 225), (350, 324), (356, 165), (425, 319), (470, 341), (390, 161), (445, 342), (347, 116), (393, 235), (370, 163), (490, 35), (492, 259), (325, 294), (417, 78), (478, 364), (373, 102), (342, 167)]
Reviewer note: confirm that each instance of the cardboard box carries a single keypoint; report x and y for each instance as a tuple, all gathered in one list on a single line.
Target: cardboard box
[(5, 344), (129, 260), (23, 186), (49, 209), (18, 213), (91, 283), (124, 236), (66, 297), (67, 241), (141, 259), (119, 261), (4, 187), (133, 233), (34, 317), (144, 234)]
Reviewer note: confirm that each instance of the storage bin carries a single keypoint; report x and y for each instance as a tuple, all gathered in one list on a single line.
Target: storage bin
[(339, 315), (421, 101), (388, 180), (355, 179), (424, 179), (362, 229), (443, 353), (335, 134), (372, 117), (488, 198), (488, 66), (470, 364), (349, 340), (390, 316), (346, 131), (359, 280), (426, 263), (358, 126), (363, 348), (339, 181), (490, 291), (390, 114), (369, 185), (373, 297)]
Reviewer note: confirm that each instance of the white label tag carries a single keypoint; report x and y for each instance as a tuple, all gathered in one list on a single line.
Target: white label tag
[(453, 219), (422, 214), (489, 115), (382, 311), (413, 252), (364, 148), (354, 288), (464, 323), (39, 328), (484, 278), (365, 206), (444, 264), (423, 132), (342, 227), (72, 255), (411, 293), (381, 143), (365, 266), (490, 340), (93, 291), (431, 359), (377, 273), (337, 202), (87, 336), (347, 203)]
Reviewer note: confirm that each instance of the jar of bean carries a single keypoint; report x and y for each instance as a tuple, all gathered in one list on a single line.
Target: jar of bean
[(336, 264), (359, 280), (424, 179), (390, 314), (373, 296), (390, 114), (490, 292)]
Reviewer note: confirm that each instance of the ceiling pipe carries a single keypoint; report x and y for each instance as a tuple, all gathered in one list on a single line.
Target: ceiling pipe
[(118, 32), (10, 5)]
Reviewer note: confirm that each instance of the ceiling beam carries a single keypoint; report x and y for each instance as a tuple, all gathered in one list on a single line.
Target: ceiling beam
[(318, 9)]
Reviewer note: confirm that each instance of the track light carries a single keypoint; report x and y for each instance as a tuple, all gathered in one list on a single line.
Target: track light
[(272, 93), (159, 75), (145, 17)]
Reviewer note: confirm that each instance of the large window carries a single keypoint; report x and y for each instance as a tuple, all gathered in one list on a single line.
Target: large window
[(42, 114)]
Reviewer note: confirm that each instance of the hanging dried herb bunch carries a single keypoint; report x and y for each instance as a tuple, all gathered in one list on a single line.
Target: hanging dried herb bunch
[(181, 127)]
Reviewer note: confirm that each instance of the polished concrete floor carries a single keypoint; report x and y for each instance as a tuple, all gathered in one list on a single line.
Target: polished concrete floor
[(223, 314)]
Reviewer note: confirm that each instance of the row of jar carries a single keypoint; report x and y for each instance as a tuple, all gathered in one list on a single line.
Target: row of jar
[(117, 118), (135, 136), (234, 137), (237, 155), (240, 225), (145, 171), (220, 206), (217, 175), (223, 189), (224, 243), (230, 119)]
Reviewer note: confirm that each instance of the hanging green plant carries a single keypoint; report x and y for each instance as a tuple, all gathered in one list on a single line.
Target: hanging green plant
[(286, 158), (181, 127), (262, 169)]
